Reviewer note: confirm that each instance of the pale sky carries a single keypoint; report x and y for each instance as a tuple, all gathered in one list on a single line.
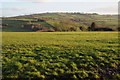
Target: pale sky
[(61, 0), (26, 7)]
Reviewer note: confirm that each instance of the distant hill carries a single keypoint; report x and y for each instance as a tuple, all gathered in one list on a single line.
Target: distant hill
[(57, 22)]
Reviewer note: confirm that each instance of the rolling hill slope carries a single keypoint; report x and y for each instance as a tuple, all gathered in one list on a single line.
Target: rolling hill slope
[(58, 21)]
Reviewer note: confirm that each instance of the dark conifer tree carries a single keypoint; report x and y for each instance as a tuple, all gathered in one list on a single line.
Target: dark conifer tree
[(93, 26)]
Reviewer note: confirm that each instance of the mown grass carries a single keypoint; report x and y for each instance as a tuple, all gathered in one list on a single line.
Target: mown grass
[(48, 55)]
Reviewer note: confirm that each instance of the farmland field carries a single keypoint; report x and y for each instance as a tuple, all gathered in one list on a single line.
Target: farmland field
[(57, 55)]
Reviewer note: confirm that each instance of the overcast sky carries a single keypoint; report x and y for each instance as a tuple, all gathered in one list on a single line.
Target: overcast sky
[(61, 0), (24, 7)]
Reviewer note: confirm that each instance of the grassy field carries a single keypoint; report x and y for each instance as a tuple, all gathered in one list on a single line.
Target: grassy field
[(57, 55), (63, 21)]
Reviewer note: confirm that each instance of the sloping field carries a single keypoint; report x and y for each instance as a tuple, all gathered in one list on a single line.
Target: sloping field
[(62, 21)]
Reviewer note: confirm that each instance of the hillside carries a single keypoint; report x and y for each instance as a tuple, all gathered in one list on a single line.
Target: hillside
[(57, 22)]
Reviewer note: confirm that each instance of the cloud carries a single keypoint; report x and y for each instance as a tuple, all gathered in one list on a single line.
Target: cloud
[(13, 9), (59, 1), (110, 9), (26, 0), (17, 9), (37, 0), (71, 0)]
